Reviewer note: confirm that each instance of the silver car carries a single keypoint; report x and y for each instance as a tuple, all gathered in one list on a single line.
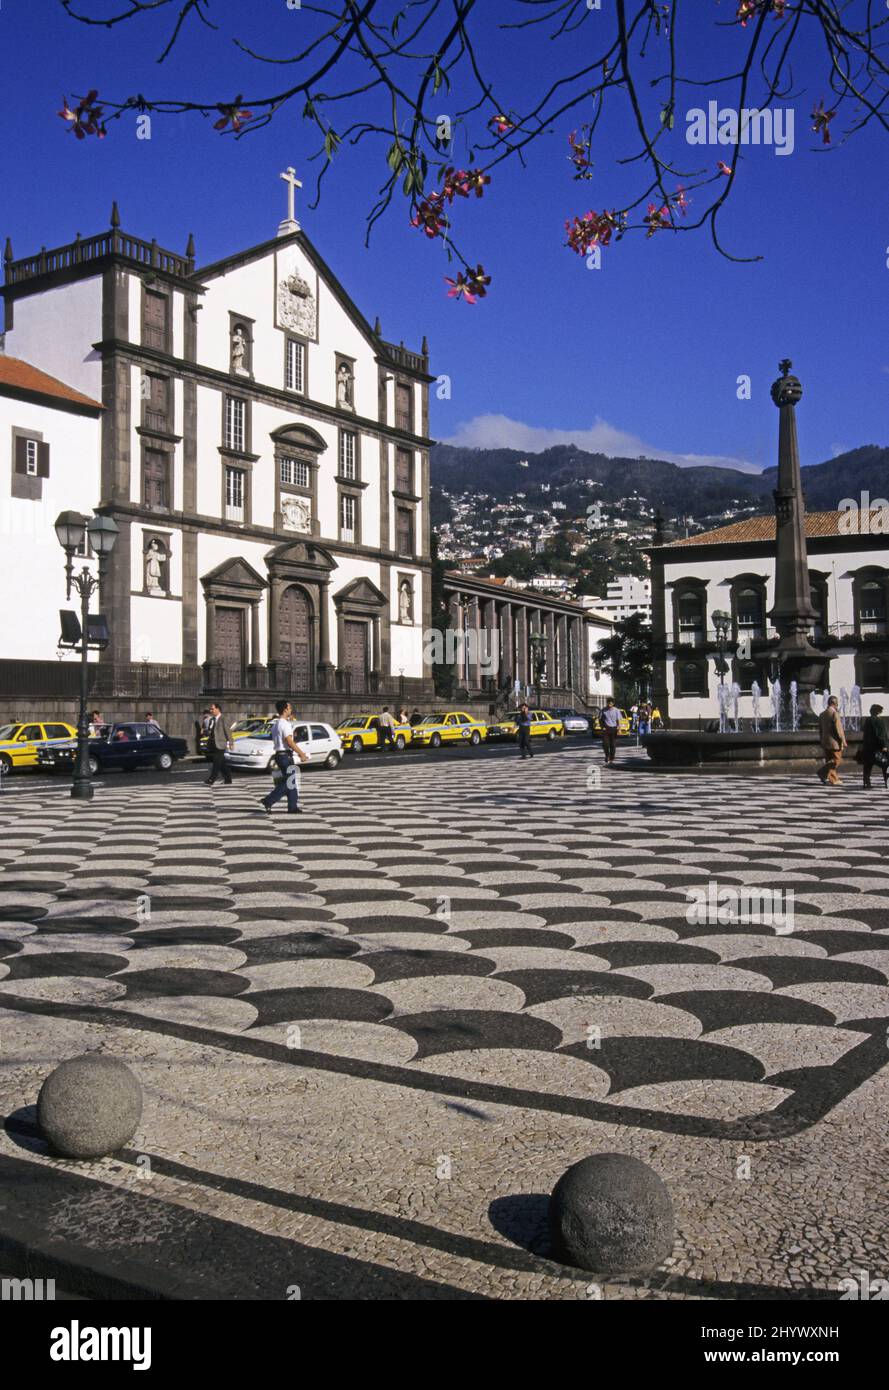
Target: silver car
[(575, 723), (256, 754)]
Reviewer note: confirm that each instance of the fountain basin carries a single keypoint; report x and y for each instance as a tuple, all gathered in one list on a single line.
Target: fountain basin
[(747, 751)]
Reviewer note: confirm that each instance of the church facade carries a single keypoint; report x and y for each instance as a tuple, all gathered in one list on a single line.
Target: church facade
[(264, 453)]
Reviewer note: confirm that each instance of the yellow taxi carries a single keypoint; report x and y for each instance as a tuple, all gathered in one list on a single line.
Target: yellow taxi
[(363, 731), (543, 725), (455, 726), (623, 727), (19, 742)]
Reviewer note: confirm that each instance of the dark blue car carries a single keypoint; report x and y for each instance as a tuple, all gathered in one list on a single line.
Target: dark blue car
[(126, 746)]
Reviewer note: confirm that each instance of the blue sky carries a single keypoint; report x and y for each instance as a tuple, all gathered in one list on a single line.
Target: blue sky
[(642, 354)]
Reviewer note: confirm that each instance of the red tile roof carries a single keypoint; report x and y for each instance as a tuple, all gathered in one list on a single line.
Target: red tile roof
[(762, 528), (16, 375)]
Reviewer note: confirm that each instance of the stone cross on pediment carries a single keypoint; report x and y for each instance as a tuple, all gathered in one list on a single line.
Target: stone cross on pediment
[(290, 223)]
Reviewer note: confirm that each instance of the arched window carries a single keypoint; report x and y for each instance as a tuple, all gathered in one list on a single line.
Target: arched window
[(872, 607), (872, 671), (750, 612), (691, 678), (690, 611)]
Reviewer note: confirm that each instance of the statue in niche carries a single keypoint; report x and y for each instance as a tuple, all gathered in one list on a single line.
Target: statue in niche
[(239, 350), (154, 567), (405, 602), (344, 386), (296, 513)]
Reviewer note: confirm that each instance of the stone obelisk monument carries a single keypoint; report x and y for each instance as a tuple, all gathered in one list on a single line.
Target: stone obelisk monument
[(793, 614)]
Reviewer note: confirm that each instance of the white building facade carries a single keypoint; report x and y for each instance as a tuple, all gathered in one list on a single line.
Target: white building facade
[(264, 453), (732, 570), (51, 436)]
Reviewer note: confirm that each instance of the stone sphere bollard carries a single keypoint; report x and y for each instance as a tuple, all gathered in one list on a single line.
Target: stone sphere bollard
[(89, 1106), (611, 1213)]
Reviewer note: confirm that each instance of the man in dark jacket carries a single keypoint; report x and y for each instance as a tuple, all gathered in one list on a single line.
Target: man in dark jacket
[(220, 740), (874, 745), (832, 737), (523, 731)]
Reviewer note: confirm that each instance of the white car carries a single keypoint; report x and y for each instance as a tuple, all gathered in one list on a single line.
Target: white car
[(255, 752)]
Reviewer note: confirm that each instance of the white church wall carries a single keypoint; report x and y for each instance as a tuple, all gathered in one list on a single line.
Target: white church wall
[(32, 564), (156, 630), (36, 335), (209, 438), (600, 686)]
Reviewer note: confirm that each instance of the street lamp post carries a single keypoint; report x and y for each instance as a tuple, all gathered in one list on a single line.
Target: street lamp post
[(537, 641), (71, 528), (722, 622)]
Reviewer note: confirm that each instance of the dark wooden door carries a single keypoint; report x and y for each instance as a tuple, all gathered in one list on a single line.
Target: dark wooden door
[(154, 479), (356, 662), (295, 637), (229, 645)]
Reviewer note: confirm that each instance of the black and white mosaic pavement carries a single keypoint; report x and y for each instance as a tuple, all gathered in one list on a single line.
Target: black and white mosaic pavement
[(486, 929)]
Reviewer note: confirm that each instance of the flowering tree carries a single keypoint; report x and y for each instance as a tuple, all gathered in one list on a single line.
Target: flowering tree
[(381, 73)]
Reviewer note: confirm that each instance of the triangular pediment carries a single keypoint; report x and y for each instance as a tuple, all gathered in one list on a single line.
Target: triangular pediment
[(361, 590), (234, 573)]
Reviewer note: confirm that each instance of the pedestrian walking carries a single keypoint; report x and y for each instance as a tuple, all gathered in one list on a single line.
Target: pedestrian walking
[(874, 749), (152, 723), (610, 721), (220, 741), (416, 718), (643, 718), (386, 726), (95, 724), (523, 731), (287, 751), (833, 742)]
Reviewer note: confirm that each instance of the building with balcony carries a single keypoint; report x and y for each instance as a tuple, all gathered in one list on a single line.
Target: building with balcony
[(732, 570), (262, 449)]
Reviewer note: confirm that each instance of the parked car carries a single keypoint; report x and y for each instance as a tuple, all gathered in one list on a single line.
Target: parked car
[(20, 743), (254, 752), (240, 728), (125, 746), (574, 721), (363, 731), (544, 724), (455, 726)]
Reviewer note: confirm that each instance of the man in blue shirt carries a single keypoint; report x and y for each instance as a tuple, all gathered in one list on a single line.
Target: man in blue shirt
[(610, 722)]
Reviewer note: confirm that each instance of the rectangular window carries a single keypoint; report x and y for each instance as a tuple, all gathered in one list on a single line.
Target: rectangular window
[(403, 407), (294, 472), (235, 423), (404, 531), (234, 494), (347, 517), (295, 373), (154, 320), (347, 453), (404, 471), (31, 458)]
